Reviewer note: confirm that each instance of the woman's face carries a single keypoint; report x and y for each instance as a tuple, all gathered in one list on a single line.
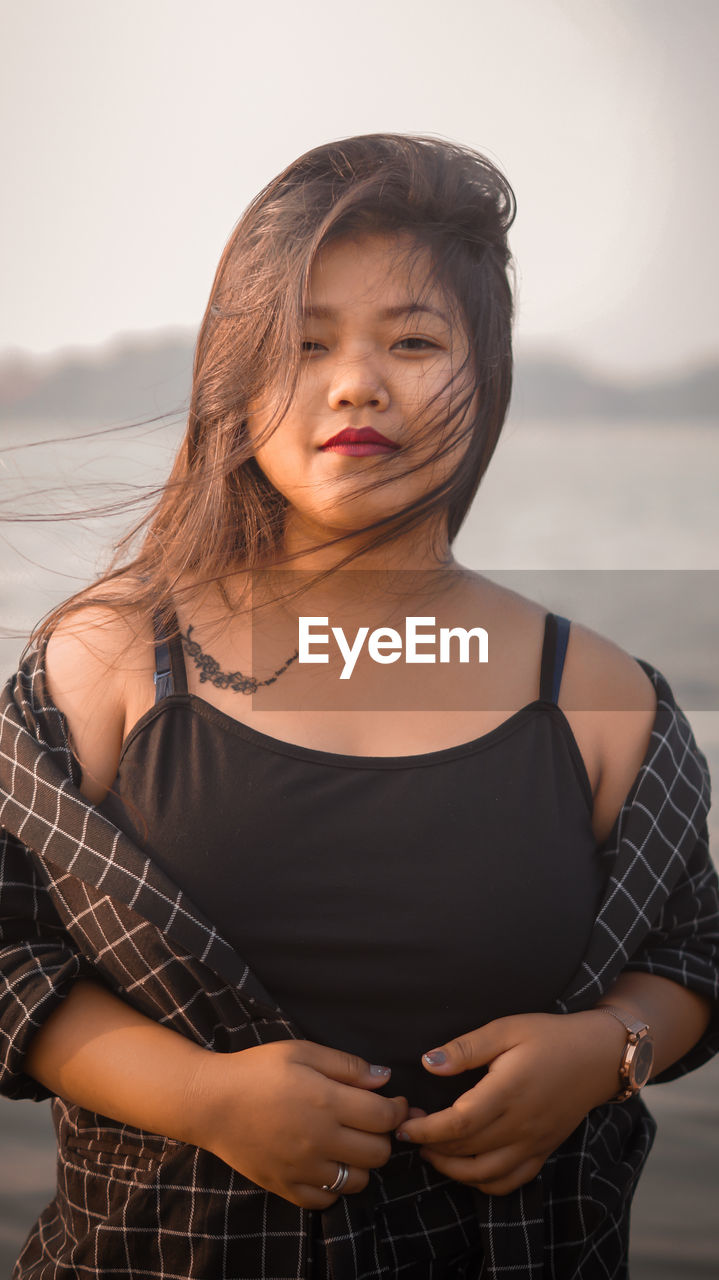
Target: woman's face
[(379, 343)]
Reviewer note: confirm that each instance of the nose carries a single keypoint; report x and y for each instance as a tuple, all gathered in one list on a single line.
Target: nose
[(357, 381)]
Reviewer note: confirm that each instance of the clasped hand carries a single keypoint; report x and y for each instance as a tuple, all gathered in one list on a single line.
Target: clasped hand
[(287, 1114), (546, 1072)]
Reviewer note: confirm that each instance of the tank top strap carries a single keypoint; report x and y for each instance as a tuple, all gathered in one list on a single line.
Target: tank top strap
[(170, 673), (554, 649)]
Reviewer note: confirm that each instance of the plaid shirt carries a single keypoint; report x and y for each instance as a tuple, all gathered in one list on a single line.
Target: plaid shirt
[(78, 898)]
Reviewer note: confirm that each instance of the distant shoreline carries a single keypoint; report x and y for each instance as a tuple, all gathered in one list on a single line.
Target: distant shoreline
[(146, 374)]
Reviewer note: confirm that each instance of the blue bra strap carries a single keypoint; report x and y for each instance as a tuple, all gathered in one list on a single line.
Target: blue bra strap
[(164, 684), (170, 671), (556, 638)]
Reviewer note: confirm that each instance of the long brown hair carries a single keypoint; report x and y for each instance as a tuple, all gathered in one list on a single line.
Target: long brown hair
[(218, 512)]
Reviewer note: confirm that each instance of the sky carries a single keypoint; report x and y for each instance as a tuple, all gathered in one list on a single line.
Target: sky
[(133, 136)]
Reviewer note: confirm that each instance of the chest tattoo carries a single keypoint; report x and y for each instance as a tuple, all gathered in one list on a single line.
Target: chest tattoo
[(210, 670)]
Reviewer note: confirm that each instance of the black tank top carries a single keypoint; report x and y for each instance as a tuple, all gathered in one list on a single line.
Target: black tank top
[(388, 903)]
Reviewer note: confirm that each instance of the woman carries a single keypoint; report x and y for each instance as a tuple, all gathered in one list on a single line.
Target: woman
[(321, 986)]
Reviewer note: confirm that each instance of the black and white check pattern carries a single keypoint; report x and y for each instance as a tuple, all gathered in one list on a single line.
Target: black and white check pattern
[(78, 898)]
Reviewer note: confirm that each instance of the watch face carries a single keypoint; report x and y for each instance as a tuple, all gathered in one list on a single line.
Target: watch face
[(642, 1061)]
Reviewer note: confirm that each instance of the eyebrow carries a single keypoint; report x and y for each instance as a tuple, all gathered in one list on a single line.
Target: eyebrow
[(387, 313)]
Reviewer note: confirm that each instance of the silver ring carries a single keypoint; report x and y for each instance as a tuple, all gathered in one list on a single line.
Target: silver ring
[(343, 1174)]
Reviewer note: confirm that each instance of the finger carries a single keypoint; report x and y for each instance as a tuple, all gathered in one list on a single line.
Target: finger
[(363, 1150), (485, 1139), (347, 1068), (475, 1049), (476, 1170), (517, 1173), (357, 1179), (468, 1116), (311, 1196), (372, 1113), (518, 1177)]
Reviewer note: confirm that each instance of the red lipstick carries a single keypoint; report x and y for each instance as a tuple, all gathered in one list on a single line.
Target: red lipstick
[(359, 442)]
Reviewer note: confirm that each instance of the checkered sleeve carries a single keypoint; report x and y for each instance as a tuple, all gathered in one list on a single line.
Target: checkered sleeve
[(39, 961), (39, 964), (683, 946), (660, 912)]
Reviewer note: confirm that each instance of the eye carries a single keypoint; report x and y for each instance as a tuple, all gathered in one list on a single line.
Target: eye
[(310, 345), (417, 344)]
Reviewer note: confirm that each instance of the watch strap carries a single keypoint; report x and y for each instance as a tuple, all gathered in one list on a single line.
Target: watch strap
[(633, 1026), (636, 1030)]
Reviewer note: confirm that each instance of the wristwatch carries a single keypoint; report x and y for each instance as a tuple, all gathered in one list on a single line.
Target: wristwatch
[(637, 1061)]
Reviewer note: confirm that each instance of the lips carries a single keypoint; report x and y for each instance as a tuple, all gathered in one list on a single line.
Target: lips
[(359, 436)]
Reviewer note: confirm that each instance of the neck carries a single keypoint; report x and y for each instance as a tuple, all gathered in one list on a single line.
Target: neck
[(418, 549), (373, 573)]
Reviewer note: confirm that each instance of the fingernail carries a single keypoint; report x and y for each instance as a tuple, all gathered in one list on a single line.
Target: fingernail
[(376, 1070), (402, 1136), (435, 1058)]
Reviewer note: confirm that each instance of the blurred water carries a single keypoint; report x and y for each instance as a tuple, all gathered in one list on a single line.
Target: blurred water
[(599, 498)]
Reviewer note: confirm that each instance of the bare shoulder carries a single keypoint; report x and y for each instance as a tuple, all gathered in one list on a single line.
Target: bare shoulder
[(606, 696), (94, 658), (600, 675), (611, 700)]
